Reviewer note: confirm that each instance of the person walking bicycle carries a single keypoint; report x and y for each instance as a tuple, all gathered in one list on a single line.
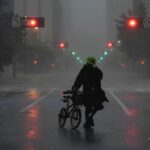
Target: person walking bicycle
[(90, 77)]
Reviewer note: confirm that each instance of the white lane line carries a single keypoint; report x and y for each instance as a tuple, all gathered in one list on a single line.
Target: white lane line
[(37, 101), (123, 106)]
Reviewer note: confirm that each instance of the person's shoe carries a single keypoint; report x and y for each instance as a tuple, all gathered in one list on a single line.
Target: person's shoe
[(92, 122), (87, 125)]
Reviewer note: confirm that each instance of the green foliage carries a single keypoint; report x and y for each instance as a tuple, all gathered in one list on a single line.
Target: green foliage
[(135, 42), (10, 38)]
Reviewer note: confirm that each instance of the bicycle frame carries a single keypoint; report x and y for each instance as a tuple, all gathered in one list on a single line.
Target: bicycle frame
[(69, 107), (70, 110)]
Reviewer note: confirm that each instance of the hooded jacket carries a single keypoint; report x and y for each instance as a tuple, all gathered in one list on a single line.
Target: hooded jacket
[(90, 78)]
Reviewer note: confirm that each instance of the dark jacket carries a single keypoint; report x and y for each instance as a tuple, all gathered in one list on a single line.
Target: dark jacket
[(90, 78)]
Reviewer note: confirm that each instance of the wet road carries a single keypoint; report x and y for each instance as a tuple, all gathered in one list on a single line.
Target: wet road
[(28, 121)]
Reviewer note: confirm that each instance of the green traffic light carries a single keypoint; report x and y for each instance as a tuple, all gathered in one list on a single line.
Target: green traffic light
[(78, 58), (105, 53), (101, 58), (73, 53)]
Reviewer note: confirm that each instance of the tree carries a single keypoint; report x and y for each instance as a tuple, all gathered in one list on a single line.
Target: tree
[(10, 38), (135, 42)]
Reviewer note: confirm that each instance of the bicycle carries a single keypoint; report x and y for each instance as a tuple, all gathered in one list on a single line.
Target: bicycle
[(72, 109)]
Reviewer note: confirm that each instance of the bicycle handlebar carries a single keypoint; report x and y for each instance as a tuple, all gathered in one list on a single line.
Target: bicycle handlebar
[(72, 92), (68, 92)]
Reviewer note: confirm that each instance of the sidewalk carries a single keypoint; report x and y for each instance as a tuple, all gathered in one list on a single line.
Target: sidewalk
[(23, 83), (115, 81), (127, 82)]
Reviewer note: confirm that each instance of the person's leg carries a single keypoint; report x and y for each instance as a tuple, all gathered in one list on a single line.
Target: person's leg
[(87, 117), (87, 113), (93, 112)]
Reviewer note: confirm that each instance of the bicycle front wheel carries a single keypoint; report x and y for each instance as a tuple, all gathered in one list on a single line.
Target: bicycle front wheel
[(62, 117), (75, 118)]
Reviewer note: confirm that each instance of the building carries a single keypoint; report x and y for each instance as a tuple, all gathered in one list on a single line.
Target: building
[(9, 7)]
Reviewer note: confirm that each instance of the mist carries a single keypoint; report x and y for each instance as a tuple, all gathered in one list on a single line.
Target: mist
[(85, 25)]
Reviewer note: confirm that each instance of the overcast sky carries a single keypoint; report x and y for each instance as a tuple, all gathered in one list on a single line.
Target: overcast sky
[(84, 22), (88, 26)]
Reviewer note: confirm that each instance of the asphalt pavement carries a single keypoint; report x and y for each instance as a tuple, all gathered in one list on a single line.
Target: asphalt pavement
[(29, 118)]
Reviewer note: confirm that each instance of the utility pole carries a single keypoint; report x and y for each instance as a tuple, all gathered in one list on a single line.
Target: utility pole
[(39, 8), (25, 7)]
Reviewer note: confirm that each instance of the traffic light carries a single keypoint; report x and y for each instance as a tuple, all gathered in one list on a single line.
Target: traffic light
[(134, 23), (101, 58), (35, 62), (105, 53), (142, 61), (73, 53), (32, 22), (109, 45), (62, 45)]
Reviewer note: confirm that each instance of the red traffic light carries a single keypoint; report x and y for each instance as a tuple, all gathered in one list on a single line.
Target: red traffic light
[(62, 45), (132, 23), (32, 22), (109, 44)]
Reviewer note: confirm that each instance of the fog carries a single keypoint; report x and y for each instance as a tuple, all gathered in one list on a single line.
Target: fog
[(83, 24), (87, 26)]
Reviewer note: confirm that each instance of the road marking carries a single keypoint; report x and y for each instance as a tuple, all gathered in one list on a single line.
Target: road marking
[(37, 101), (123, 106)]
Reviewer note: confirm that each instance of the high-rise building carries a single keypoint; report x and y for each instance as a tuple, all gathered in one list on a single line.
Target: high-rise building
[(147, 2), (61, 20), (9, 7)]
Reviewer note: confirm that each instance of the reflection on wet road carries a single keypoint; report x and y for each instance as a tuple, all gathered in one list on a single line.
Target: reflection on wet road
[(31, 125), (36, 126)]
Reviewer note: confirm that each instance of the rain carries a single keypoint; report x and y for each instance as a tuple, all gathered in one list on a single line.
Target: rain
[(44, 47)]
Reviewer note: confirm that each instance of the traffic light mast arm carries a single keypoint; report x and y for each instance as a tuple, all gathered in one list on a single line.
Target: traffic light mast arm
[(32, 22)]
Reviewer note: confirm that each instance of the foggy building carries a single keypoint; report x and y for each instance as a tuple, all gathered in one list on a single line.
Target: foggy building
[(114, 9), (9, 7), (61, 20), (147, 2)]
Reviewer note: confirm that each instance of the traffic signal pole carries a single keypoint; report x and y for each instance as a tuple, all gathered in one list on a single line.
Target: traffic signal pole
[(24, 34)]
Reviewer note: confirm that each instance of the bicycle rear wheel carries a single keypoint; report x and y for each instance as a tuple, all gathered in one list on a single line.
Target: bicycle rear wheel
[(75, 118), (62, 117)]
